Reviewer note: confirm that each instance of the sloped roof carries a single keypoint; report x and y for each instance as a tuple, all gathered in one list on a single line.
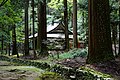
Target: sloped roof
[(60, 28), (55, 31), (51, 27)]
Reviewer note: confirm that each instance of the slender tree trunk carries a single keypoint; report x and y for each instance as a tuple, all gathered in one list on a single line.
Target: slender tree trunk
[(14, 50), (75, 24), (2, 42), (8, 41), (9, 49), (2, 45), (83, 19), (100, 45), (39, 38), (66, 25), (119, 28), (44, 29), (42, 32), (114, 36), (26, 28), (6, 48), (33, 13)]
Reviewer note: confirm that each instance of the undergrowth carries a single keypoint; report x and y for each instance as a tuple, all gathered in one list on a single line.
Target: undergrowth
[(72, 54)]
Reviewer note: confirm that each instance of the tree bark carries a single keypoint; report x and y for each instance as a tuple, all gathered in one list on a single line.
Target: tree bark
[(66, 25), (119, 29), (9, 49), (39, 39), (2, 45), (42, 31), (75, 41), (33, 13), (14, 49), (26, 28), (114, 38), (100, 45)]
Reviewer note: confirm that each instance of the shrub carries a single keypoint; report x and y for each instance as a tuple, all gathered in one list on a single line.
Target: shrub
[(73, 53)]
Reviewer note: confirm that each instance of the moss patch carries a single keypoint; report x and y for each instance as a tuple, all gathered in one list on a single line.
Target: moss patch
[(50, 76), (95, 73)]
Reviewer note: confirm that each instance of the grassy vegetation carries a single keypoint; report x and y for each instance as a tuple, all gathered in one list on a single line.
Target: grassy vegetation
[(71, 54)]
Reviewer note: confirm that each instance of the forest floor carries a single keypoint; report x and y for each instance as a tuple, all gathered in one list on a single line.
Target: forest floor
[(109, 67), (10, 71), (13, 71)]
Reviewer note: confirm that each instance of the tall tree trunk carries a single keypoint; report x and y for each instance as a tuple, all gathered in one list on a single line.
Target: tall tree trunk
[(75, 41), (9, 49), (2, 42), (83, 19), (39, 38), (100, 45), (9, 41), (66, 25), (14, 49), (26, 28), (114, 37), (42, 32), (119, 28), (33, 13), (2, 45)]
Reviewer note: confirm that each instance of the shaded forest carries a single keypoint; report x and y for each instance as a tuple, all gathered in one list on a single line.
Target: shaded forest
[(59, 40)]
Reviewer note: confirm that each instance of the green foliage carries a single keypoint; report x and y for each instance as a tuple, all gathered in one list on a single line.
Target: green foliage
[(114, 10), (10, 14), (20, 34), (73, 53), (56, 9)]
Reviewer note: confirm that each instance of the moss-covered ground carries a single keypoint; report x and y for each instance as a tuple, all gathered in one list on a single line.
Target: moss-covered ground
[(74, 59), (11, 71)]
